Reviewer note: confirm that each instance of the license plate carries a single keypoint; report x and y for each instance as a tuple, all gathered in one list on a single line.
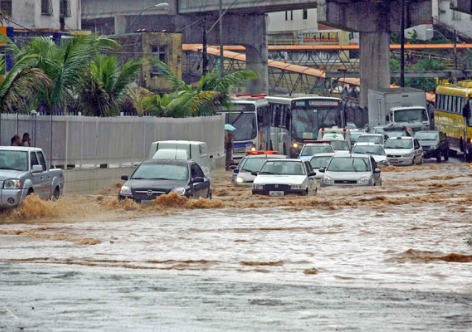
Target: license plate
[(394, 160), (145, 201), (276, 193)]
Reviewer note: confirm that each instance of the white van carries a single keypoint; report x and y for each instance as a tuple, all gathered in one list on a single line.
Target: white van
[(182, 150)]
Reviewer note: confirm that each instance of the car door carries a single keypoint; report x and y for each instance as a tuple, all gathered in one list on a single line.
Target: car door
[(45, 192), (200, 188), (418, 151), (38, 184), (374, 167), (311, 179)]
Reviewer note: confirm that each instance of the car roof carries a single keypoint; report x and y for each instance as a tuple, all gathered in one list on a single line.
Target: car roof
[(323, 155), (372, 134), (289, 160), (267, 156), (401, 137), (19, 148), (428, 131), (317, 144), (367, 144), (352, 155), (169, 162)]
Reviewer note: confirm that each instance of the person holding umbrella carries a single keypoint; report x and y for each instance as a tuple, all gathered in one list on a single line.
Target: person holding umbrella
[(229, 140)]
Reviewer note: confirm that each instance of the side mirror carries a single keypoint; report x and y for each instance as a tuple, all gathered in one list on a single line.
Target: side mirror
[(255, 173), (377, 171), (387, 118), (198, 180), (125, 178), (312, 174), (322, 170), (234, 167), (235, 171), (37, 169)]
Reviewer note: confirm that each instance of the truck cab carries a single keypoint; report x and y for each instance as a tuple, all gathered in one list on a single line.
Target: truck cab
[(415, 117)]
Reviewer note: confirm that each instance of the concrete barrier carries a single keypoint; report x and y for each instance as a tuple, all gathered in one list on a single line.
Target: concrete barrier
[(91, 181), (81, 141)]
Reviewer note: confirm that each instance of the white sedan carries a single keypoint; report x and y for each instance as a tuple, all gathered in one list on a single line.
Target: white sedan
[(283, 177), (375, 150)]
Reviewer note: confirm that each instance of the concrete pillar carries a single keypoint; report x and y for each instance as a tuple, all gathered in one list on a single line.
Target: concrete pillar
[(120, 24), (257, 61), (375, 62)]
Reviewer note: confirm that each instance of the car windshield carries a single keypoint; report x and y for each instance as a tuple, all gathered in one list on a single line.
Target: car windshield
[(349, 164), (340, 145), (355, 136), (312, 150), (320, 162), (308, 116), (427, 136), (161, 172), (370, 139), (395, 143), (376, 150), (410, 115), (283, 168), (14, 160), (245, 124), (253, 164), (379, 130)]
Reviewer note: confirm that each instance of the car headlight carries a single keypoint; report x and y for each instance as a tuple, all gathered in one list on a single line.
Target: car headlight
[(12, 184), (258, 187), (296, 187), (239, 180), (126, 191), (179, 191), (327, 180), (409, 155), (295, 145), (365, 180)]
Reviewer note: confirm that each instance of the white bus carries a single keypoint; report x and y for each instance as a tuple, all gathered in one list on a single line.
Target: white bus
[(280, 137), (306, 116), (251, 117)]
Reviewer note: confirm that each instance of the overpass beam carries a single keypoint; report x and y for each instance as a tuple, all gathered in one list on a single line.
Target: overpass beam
[(374, 19)]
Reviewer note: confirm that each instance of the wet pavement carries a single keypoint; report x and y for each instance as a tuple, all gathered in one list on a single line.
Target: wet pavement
[(390, 258)]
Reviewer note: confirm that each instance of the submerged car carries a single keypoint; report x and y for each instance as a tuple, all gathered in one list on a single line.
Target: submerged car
[(283, 177), (372, 138), (352, 170), (311, 149), (320, 161), (434, 144), (403, 151), (242, 174), (154, 178), (375, 150)]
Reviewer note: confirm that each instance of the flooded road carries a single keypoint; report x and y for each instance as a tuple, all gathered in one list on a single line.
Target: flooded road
[(390, 258)]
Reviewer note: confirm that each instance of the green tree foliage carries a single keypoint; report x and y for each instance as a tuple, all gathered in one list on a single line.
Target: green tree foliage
[(423, 65)]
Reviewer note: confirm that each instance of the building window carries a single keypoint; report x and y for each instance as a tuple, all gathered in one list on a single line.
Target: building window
[(5, 8), (456, 16), (305, 14), (46, 7), (65, 8), (289, 15), (159, 53)]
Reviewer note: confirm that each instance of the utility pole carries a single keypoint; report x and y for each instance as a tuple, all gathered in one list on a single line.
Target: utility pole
[(222, 58), (402, 42), (205, 48)]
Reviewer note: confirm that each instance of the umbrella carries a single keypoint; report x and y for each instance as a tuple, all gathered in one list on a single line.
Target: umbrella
[(229, 127)]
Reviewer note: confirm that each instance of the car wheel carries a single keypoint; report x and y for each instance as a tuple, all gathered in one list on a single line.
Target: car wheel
[(446, 155), (56, 194), (209, 194), (30, 192), (304, 193), (438, 157)]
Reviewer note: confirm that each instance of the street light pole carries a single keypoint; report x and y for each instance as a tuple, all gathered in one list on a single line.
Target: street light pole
[(402, 41), (204, 49), (222, 58)]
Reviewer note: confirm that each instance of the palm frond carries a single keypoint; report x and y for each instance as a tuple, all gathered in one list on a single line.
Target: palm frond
[(176, 83)]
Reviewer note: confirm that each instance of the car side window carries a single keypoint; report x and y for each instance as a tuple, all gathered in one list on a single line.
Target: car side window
[(42, 161), (374, 164), (309, 168), (197, 171), (417, 144), (34, 159)]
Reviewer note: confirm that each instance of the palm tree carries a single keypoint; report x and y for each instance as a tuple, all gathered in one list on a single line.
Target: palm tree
[(20, 85), (65, 64), (211, 92), (106, 85)]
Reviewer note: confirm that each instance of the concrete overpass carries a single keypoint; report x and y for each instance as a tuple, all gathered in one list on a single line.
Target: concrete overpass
[(246, 24)]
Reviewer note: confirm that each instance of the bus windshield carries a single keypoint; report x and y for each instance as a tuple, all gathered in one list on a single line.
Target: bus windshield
[(308, 116), (410, 115), (245, 124)]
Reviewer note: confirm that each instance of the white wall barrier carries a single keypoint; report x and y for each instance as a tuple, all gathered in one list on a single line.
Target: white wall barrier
[(91, 141)]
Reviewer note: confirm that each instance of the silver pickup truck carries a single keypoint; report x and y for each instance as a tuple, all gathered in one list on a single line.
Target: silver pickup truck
[(24, 171)]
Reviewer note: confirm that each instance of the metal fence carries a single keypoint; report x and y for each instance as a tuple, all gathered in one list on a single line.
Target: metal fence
[(91, 141)]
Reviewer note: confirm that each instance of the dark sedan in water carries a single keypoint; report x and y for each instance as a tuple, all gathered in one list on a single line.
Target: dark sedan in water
[(159, 177)]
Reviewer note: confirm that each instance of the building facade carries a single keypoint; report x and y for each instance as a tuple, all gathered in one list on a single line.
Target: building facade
[(452, 19), (41, 14)]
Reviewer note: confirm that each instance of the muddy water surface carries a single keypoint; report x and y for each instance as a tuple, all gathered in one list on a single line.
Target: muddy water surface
[(406, 237)]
